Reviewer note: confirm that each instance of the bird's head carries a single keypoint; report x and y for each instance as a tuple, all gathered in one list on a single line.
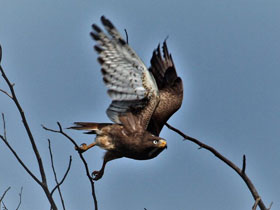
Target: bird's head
[(154, 145)]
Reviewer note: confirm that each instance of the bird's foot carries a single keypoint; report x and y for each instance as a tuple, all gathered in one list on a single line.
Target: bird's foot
[(97, 175), (82, 148)]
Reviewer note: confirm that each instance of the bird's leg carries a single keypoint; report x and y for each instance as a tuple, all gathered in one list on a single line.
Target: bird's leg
[(84, 147), (108, 157)]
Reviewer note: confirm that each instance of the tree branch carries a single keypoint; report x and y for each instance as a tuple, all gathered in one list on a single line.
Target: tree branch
[(240, 172), (126, 35), (81, 157), (43, 182), (26, 126), (2, 197), (20, 195), (4, 139), (55, 176), (244, 164)]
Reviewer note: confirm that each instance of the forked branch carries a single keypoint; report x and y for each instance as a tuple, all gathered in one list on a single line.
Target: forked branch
[(55, 176), (20, 195), (81, 157), (240, 172), (2, 197), (13, 97)]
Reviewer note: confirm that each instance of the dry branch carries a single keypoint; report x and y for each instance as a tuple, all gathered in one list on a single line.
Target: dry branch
[(43, 181), (81, 157), (240, 172), (20, 195), (55, 176), (2, 197)]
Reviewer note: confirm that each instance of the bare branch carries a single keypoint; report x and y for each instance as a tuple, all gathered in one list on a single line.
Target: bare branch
[(256, 204), (4, 206), (81, 157), (64, 177), (4, 139), (26, 126), (20, 195), (244, 165), (226, 161), (126, 35), (4, 126), (2, 197), (42, 183), (55, 176), (6, 93), (0, 53)]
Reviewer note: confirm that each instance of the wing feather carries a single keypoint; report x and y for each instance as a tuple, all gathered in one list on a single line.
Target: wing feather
[(170, 88), (130, 85)]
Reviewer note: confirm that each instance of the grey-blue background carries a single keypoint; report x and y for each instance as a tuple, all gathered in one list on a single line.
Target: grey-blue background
[(227, 53)]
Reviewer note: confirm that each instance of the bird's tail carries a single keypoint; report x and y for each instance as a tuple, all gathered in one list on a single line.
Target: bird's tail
[(92, 128)]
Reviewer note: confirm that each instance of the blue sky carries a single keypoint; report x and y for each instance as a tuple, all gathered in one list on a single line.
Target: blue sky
[(227, 53)]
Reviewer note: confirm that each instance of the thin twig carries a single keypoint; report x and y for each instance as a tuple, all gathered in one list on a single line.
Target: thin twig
[(6, 93), (20, 195), (2, 197), (4, 138), (26, 126), (81, 157), (43, 182), (64, 177), (4, 206), (0, 53), (55, 176), (4, 126), (256, 204), (270, 205), (244, 164), (126, 35), (226, 161)]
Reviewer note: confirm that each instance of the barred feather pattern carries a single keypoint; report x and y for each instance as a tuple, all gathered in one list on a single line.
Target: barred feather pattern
[(128, 80)]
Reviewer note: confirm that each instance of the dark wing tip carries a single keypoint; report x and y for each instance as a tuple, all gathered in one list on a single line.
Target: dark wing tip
[(100, 60), (103, 71), (94, 36), (107, 22), (98, 49), (96, 28), (122, 42)]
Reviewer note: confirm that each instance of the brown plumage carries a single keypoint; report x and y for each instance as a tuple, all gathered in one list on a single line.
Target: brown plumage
[(142, 99)]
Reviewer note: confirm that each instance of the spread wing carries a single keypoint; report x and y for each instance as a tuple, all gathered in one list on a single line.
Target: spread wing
[(131, 86), (170, 88)]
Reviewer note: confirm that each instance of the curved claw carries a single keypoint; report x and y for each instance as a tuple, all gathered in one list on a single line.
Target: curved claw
[(97, 175)]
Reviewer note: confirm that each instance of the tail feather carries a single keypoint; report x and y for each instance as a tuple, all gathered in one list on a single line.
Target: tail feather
[(92, 128)]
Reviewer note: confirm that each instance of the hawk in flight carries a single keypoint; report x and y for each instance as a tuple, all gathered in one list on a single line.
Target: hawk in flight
[(142, 99)]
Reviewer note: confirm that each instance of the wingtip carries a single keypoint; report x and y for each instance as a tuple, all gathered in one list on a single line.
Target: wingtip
[(106, 22), (98, 48), (96, 28), (94, 36), (102, 18)]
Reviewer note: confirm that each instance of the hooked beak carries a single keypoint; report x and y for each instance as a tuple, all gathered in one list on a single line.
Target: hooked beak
[(162, 144)]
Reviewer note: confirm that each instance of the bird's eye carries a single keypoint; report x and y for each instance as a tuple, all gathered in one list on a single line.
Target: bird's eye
[(155, 141)]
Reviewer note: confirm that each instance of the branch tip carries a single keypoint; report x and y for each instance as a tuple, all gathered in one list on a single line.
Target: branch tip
[(240, 172), (126, 34), (0, 53), (244, 164)]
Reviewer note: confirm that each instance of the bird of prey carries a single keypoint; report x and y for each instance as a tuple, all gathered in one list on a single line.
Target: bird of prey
[(142, 99)]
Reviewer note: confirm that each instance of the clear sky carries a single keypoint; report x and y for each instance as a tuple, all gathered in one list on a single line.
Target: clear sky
[(227, 53)]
